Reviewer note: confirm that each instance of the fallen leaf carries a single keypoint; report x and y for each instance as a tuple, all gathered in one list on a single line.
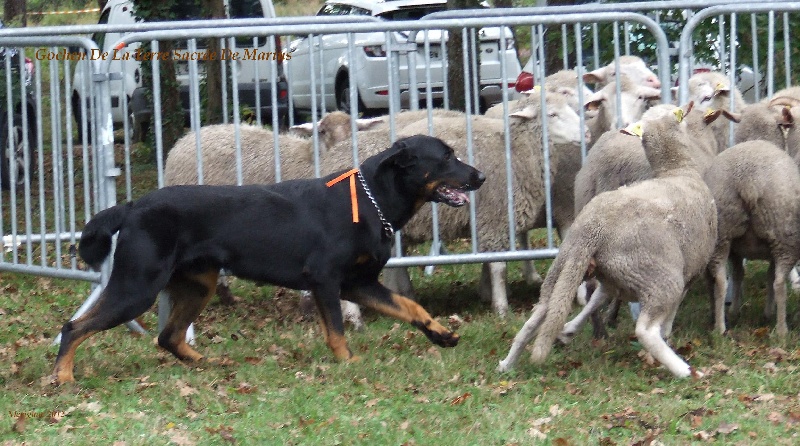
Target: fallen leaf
[(181, 438), (372, 403), (537, 434), (252, 360), (405, 425), (245, 388), (460, 399), (185, 389), (702, 435), (727, 428), (561, 442)]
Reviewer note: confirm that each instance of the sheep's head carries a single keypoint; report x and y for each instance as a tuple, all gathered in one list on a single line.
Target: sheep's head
[(632, 67), (563, 123), (634, 100), (334, 128), (709, 90), (664, 138)]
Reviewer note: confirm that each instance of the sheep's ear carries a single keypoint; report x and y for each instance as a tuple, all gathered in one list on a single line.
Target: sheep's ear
[(368, 123), (722, 89), (535, 90), (711, 115), (594, 101), (597, 76), (786, 119), (306, 129), (731, 116), (635, 129), (528, 112)]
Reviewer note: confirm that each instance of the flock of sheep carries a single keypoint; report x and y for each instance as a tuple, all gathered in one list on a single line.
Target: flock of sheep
[(652, 207)]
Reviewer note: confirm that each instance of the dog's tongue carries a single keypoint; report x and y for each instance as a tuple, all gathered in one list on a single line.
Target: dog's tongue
[(454, 197)]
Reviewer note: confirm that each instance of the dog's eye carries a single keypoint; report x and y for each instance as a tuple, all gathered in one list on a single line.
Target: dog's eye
[(448, 156)]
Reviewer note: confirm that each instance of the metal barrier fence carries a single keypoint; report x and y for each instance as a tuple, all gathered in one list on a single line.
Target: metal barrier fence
[(61, 181)]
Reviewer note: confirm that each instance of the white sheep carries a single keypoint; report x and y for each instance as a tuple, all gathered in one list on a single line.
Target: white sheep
[(633, 67), (218, 148), (712, 90), (756, 186), (645, 242)]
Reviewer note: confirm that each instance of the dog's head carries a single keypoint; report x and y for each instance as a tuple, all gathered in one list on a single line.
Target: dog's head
[(430, 169)]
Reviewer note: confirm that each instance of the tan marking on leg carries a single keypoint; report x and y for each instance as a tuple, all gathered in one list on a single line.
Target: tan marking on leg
[(335, 341), (65, 364), (186, 306), (409, 311)]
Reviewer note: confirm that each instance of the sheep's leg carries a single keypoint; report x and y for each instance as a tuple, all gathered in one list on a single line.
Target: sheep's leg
[(529, 272), (499, 291), (719, 276), (524, 337), (352, 313), (666, 329), (770, 304), (737, 286), (794, 277), (648, 331), (612, 313), (598, 299), (780, 271), (399, 281)]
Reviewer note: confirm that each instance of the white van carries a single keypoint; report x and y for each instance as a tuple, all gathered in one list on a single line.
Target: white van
[(121, 12)]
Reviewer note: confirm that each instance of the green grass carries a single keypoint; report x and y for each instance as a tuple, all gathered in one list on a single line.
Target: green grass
[(269, 378)]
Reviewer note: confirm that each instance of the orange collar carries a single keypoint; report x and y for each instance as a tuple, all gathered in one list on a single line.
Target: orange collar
[(353, 196)]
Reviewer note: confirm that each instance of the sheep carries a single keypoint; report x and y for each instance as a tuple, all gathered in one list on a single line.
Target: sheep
[(645, 242), (770, 120), (712, 90), (489, 152), (633, 67), (617, 160), (633, 102), (257, 153), (755, 185)]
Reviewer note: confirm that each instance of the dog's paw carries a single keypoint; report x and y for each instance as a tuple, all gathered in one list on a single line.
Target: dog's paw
[(438, 334)]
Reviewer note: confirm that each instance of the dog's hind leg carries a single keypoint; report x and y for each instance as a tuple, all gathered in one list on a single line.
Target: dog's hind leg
[(326, 298), (113, 308), (380, 298), (189, 294)]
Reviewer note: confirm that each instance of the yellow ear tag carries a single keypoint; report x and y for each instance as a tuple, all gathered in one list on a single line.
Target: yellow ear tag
[(536, 88), (634, 129), (720, 86), (708, 113), (678, 114)]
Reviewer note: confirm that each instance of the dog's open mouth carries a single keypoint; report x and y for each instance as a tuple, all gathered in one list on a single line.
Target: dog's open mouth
[(451, 196)]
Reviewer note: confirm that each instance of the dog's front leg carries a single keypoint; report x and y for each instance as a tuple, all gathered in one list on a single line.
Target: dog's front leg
[(326, 298), (382, 299)]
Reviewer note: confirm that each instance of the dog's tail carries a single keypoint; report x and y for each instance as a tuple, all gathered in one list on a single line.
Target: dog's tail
[(573, 264), (95, 244)]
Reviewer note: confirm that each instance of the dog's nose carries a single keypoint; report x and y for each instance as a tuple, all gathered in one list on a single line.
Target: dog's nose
[(480, 177)]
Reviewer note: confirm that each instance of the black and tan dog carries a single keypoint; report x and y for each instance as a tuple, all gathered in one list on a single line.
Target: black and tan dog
[(331, 236)]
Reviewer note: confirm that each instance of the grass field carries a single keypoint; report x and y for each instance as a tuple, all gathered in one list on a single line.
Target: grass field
[(270, 379)]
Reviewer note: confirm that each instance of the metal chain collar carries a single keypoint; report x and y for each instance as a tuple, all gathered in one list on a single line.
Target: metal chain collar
[(387, 227)]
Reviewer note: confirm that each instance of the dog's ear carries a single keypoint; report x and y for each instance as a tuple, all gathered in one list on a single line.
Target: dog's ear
[(400, 156)]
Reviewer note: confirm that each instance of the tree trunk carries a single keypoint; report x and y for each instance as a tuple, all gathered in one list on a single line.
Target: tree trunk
[(214, 9), (456, 71), (13, 9)]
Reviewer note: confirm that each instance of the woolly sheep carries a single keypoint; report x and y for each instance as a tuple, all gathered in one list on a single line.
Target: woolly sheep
[(613, 239), (257, 153), (633, 67), (633, 102), (712, 91), (755, 185), (617, 160)]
